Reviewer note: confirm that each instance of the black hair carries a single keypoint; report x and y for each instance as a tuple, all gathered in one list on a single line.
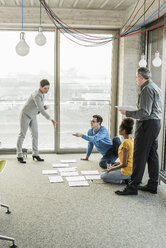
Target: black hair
[(99, 118), (127, 125), (44, 82)]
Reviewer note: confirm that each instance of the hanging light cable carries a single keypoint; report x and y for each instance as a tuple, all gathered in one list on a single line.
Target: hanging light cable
[(142, 62), (89, 40), (40, 39), (22, 47), (157, 61)]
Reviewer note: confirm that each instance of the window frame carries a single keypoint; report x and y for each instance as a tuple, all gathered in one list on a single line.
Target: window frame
[(113, 95), (114, 88), (162, 135)]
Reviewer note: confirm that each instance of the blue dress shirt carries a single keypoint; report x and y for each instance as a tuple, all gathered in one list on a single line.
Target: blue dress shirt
[(100, 139)]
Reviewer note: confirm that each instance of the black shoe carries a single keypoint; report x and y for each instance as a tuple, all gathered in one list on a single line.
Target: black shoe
[(38, 158), (148, 188), (129, 190), (21, 160)]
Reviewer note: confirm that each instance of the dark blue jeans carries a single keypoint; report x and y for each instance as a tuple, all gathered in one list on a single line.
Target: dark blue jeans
[(111, 155)]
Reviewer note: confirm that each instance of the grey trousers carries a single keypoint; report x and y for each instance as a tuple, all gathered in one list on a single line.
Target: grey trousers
[(25, 122)]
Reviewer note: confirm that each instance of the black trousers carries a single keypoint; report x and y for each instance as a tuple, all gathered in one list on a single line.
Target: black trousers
[(145, 150)]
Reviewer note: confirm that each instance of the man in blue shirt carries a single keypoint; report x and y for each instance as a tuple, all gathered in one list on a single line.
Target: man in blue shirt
[(98, 136)]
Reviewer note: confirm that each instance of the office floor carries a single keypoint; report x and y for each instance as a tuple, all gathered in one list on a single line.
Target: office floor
[(46, 215)]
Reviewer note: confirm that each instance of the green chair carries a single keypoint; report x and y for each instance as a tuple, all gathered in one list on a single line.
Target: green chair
[(2, 167)]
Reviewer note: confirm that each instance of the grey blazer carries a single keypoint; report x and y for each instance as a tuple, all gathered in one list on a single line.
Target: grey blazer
[(35, 105)]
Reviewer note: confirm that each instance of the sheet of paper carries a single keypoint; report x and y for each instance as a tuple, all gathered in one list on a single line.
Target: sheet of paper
[(46, 172), (66, 132), (93, 177), (78, 184), (90, 172), (129, 108), (68, 160), (69, 173), (56, 179), (75, 179), (60, 165), (67, 169)]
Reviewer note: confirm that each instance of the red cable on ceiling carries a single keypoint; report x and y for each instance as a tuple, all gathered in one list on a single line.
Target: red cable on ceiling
[(158, 28)]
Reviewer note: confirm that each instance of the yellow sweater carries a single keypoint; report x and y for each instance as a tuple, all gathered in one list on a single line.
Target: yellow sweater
[(129, 145)]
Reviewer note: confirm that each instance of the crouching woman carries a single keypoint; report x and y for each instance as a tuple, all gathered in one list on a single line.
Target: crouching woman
[(120, 172)]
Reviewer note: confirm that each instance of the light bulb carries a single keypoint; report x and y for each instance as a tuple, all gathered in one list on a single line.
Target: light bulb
[(22, 47), (142, 62), (40, 39), (157, 61)]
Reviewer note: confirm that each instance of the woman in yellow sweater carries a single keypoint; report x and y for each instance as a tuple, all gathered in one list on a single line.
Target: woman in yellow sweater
[(121, 171)]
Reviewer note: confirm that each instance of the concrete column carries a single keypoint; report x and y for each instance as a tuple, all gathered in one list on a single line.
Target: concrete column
[(129, 56)]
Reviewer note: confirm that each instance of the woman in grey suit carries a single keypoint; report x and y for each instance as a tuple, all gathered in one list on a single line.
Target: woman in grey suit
[(33, 106)]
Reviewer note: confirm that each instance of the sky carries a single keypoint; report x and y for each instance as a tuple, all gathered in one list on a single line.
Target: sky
[(86, 61), (38, 57)]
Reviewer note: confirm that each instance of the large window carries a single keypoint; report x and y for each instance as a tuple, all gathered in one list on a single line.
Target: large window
[(152, 46), (84, 77), (158, 76), (85, 86), (19, 77)]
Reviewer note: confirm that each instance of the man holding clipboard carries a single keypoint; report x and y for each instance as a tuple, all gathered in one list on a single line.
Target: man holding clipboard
[(148, 125)]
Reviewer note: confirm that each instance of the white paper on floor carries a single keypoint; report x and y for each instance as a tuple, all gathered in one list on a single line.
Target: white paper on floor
[(69, 173), (46, 172), (77, 184), (68, 161), (74, 179), (60, 165), (56, 179), (90, 172), (93, 177), (67, 169)]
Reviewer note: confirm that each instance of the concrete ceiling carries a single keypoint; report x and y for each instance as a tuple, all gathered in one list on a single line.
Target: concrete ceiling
[(73, 4), (109, 14)]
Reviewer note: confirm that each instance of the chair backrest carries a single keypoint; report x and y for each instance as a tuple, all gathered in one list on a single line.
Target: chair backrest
[(2, 165)]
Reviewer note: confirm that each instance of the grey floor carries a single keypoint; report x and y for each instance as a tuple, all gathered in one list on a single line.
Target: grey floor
[(58, 216)]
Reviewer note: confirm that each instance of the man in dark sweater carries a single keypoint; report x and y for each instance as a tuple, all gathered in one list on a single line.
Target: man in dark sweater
[(148, 126)]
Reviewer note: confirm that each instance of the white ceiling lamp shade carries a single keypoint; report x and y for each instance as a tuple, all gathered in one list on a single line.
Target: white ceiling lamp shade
[(22, 48), (157, 62), (142, 62), (40, 38)]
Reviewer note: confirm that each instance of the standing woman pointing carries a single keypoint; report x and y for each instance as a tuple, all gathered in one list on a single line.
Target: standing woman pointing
[(33, 106)]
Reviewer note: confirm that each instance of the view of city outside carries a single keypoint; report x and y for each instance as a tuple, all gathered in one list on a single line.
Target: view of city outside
[(85, 86), (19, 77)]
